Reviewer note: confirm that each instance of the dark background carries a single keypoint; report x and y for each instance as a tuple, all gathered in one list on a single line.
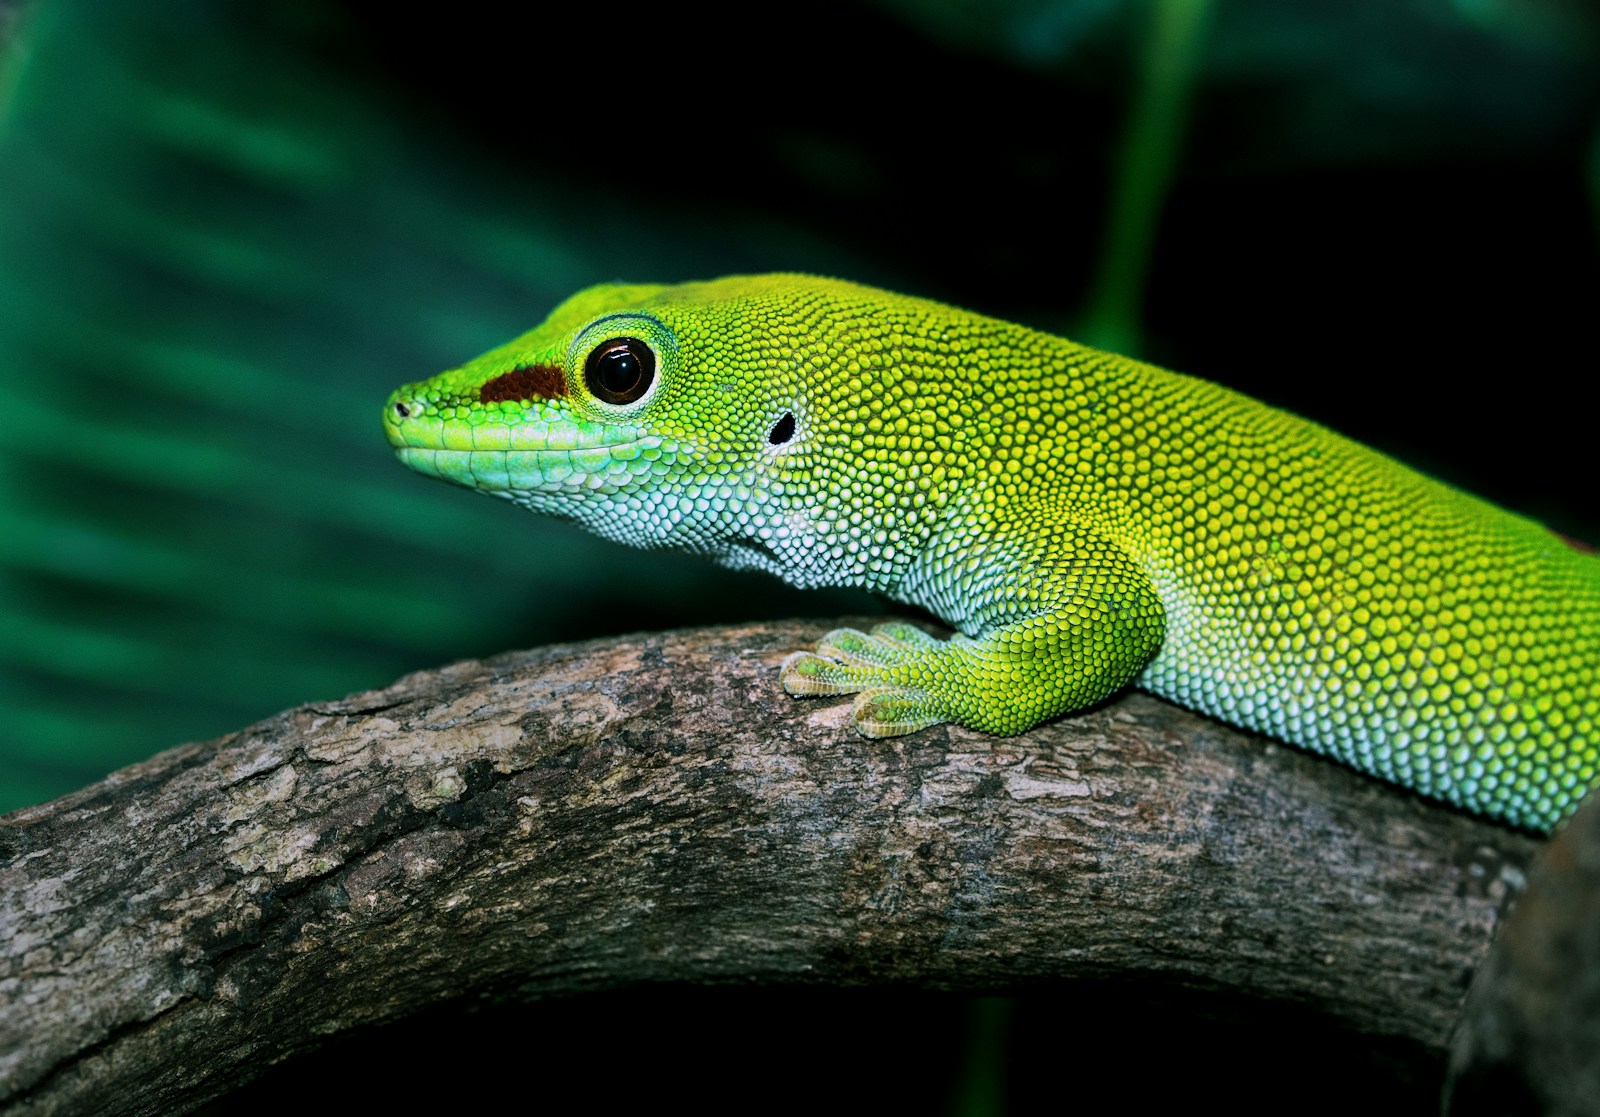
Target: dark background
[(227, 230)]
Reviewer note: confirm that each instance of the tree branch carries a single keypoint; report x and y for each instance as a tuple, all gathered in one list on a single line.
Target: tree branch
[(653, 808), (1529, 1036)]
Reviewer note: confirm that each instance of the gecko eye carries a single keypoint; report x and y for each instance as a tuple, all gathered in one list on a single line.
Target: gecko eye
[(620, 370)]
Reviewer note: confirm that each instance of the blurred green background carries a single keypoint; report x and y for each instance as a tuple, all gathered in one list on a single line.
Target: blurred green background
[(228, 229)]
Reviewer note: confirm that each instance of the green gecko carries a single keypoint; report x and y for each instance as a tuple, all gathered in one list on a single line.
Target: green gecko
[(1082, 520)]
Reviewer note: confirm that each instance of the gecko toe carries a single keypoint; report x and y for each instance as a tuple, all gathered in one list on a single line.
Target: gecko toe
[(806, 674), (894, 711)]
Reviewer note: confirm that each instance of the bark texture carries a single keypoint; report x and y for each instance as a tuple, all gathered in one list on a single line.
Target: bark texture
[(653, 808), (1529, 1037)]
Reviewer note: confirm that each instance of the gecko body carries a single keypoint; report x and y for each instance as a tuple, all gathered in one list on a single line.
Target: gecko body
[(1082, 520)]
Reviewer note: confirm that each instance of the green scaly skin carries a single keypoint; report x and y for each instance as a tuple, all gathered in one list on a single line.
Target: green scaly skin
[(1084, 521)]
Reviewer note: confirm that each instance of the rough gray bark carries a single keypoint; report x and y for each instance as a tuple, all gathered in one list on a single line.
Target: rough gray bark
[(654, 808), (1529, 1036)]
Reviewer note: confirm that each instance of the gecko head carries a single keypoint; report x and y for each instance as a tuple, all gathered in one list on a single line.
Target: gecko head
[(657, 416)]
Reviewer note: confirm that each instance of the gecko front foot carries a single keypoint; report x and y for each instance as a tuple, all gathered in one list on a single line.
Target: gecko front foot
[(878, 667)]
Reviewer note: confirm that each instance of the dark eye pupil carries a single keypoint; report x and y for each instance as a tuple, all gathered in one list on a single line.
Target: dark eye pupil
[(620, 370)]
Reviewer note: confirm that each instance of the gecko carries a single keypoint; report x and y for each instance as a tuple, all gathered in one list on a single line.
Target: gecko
[(1082, 521)]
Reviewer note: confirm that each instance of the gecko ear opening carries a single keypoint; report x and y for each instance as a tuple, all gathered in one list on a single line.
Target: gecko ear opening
[(783, 430)]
